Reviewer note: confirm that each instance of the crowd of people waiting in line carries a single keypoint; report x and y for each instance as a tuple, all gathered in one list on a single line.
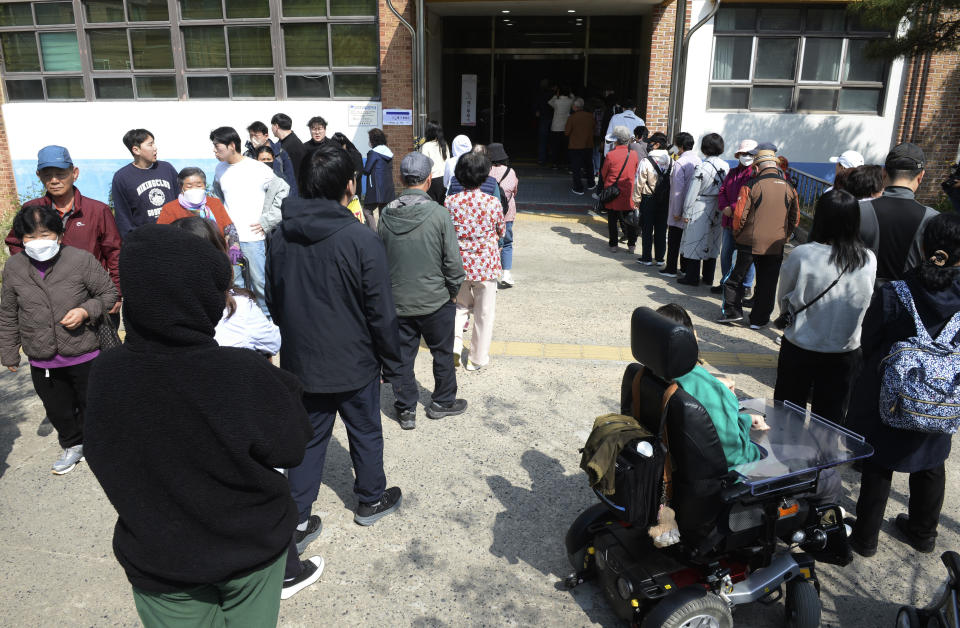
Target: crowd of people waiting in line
[(254, 265), (213, 278)]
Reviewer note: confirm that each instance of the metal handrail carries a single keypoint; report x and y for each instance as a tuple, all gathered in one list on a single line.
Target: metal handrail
[(809, 189)]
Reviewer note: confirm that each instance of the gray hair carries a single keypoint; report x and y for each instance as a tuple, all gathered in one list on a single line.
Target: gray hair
[(578, 103), (190, 171), (622, 135)]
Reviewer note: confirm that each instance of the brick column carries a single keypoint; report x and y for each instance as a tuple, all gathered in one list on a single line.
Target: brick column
[(663, 25), (936, 116), (9, 201), (396, 78)]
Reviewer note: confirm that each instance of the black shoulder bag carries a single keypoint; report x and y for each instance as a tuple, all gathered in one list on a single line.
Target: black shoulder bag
[(612, 191), (786, 318)]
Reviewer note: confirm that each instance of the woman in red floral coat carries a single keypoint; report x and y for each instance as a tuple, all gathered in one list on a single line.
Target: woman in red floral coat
[(478, 220)]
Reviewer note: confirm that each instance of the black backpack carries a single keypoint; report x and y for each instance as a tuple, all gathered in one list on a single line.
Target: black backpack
[(661, 193)]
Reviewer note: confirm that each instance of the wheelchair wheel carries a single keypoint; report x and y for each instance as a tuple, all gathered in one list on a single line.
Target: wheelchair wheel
[(690, 608), (908, 617), (802, 604), (578, 538)]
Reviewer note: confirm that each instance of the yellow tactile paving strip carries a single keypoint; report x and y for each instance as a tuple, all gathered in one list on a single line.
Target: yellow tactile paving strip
[(511, 349)]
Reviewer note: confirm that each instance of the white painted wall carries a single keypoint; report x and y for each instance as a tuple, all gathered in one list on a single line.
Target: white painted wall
[(801, 137), (94, 130)]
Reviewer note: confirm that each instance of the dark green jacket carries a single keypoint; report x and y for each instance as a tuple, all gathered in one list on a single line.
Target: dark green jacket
[(422, 253)]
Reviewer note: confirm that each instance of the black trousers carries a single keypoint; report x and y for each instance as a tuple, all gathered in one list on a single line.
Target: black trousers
[(674, 236), (692, 269), (764, 287), (653, 230), (613, 217), (63, 392), (923, 508), (437, 330), (360, 411), (437, 192), (829, 376), (558, 145), (581, 163)]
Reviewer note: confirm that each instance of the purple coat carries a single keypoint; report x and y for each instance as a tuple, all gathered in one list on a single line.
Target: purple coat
[(679, 182), (730, 190)]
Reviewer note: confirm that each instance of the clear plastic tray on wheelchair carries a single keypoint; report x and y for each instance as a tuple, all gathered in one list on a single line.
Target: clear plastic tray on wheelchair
[(797, 445)]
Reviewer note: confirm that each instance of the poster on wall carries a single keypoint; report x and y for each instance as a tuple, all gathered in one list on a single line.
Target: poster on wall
[(364, 115), (397, 117), (468, 100)]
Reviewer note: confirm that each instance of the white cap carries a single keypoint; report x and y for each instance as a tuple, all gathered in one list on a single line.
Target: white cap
[(848, 159)]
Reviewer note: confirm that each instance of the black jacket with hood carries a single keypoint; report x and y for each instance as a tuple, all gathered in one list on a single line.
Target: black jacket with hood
[(422, 251), (182, 434), (328, 289)]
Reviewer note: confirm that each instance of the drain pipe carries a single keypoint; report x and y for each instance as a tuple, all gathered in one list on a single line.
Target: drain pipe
[(678, 28), (415, 61), (676, 97), (421, 69)]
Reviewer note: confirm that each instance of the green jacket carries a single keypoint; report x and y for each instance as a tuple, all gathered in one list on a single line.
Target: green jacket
[(723, 407), (422, 253), (610, 434)]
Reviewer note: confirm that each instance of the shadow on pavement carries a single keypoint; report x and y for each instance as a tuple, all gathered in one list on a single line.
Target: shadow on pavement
[(15, 392)]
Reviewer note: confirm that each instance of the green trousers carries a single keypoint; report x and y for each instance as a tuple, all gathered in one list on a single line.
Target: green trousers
[(251, 601)]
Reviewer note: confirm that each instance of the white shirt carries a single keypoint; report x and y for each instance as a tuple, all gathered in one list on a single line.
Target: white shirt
[(248, 328), (561, 111), (244, 186), (432, 150)]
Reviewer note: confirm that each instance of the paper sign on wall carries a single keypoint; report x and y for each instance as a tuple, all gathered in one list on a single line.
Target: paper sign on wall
[(468, 100), (397, 117), (363, 115)]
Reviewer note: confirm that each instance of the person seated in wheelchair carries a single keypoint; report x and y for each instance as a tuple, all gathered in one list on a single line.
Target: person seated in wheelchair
[(733, 427), (716, 396)]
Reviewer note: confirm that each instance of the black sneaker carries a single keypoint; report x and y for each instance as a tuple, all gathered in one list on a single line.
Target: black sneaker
[(367, 514), (906, 535), (310, 573), (730, 318), (407, 419), (438, 410), (303, 538), (750, 303), (856, 545), (716, 289)]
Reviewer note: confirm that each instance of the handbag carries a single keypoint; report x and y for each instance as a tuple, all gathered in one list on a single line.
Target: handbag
[(107, 334), (786, 318), (611, 192)]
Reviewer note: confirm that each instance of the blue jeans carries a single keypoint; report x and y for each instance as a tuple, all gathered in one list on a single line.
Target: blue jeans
[(727, 253), (506, 247), (256, 254)]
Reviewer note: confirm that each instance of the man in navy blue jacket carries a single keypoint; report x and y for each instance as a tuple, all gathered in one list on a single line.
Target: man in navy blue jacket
[(328, 289)]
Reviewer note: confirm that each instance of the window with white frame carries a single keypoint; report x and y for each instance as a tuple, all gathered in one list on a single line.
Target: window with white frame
[(795, 59), (189, 49)]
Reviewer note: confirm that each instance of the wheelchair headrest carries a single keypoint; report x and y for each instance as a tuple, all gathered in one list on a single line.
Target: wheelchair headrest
[(665, 347)]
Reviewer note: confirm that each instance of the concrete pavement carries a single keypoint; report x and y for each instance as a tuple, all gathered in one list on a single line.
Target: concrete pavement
[(487, 495)]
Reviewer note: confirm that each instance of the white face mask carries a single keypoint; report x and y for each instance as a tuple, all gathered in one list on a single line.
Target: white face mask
[(258, 142), (41, 250), (746, 160), (194, 196)]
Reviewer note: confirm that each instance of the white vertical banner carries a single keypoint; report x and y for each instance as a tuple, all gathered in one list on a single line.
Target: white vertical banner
[(468, 100)]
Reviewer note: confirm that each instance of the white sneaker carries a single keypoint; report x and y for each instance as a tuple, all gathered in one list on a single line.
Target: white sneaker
[(67, 460), (312, 570), (471, 366), (507, 278)]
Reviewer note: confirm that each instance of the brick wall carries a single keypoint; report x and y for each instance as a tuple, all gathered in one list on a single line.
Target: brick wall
[(663, 22), (396, 78), (937, 118), (8, 187)]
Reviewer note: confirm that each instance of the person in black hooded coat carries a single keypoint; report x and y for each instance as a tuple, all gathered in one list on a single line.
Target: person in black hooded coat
[(935, 288), (184, 437)]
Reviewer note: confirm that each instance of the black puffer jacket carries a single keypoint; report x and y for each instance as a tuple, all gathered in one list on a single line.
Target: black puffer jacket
[(32, 306), (183, 434)]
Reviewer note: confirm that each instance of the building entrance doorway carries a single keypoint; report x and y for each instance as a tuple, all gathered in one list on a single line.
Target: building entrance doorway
[(517, 62)]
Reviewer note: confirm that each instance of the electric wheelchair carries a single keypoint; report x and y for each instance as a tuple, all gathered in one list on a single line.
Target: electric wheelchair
[(745, 534)]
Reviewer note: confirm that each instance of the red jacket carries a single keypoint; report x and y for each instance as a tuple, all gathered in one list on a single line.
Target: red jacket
[(89, 226), (611, 168)]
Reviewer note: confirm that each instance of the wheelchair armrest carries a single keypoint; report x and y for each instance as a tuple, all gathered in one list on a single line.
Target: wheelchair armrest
[(734, 492)]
